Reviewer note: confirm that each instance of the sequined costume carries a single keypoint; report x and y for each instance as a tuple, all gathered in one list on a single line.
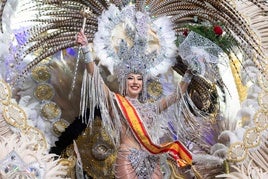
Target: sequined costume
[(133, 158), (136, 163), (236, 131)]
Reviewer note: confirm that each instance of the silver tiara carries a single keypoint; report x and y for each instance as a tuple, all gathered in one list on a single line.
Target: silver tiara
[(134, 59)]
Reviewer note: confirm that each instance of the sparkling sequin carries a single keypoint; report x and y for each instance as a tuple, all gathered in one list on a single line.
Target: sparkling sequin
[(143, 163)]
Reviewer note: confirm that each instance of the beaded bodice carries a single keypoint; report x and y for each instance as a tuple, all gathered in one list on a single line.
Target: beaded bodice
[(147, 113)]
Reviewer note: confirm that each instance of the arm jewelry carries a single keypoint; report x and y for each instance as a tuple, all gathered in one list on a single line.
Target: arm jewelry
[(87, 53)]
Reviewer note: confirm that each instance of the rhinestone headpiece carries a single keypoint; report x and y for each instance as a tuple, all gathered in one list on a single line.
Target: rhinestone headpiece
[(130, 41), (134, 60)]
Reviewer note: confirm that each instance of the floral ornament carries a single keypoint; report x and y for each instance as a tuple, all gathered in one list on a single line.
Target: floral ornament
[(214, 33), (218, 30), (185, 32)]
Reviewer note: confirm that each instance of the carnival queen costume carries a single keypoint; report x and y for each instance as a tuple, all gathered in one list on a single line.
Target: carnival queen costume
[(129, 41), (221, 118)]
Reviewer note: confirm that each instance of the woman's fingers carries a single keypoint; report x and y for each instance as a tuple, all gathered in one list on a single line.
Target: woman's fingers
[(82, 30), (81, 38)]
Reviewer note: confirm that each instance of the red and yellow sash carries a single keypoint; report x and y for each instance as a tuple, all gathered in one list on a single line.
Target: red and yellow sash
[(175, 149)]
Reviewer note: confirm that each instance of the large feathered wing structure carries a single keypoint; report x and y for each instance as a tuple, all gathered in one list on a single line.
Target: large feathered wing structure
[(53, 25), (230, 142), (18, 159), (24, 151)]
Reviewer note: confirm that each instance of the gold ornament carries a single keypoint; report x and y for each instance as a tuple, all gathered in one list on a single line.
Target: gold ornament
[(97, 151), (5, 92), (59, 127), (251, 138), (40, 73), (263, 81), (15, 116), (237, 152), (261, 120), (70, 165), (154, 89), (44, 91), (263, 100), (50, 111), (235, 66), (38, 136)]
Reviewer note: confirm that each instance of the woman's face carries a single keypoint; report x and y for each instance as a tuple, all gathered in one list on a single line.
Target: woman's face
[(134, 85)]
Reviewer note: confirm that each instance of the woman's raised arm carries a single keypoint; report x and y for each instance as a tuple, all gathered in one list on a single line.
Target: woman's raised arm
[(87, 50), (171, 99)]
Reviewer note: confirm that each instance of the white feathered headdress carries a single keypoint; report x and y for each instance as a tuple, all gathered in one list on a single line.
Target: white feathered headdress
[(130, 38)]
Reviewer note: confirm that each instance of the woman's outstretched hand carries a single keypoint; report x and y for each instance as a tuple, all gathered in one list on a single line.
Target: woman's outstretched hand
[(186, 79), (87, 50), (81, 38)]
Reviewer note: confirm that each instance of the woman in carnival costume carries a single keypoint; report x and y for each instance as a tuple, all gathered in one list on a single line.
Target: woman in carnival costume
[(55, 30), (135, 49)]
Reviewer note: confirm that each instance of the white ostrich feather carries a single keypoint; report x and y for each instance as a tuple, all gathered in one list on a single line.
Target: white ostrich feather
[(222, 153), (240, 133), (27, 87), (254, 92), (228, 137), (207, 160), (4, 46), (28, 156), (8, 15), (219, 150), (251, 75)]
